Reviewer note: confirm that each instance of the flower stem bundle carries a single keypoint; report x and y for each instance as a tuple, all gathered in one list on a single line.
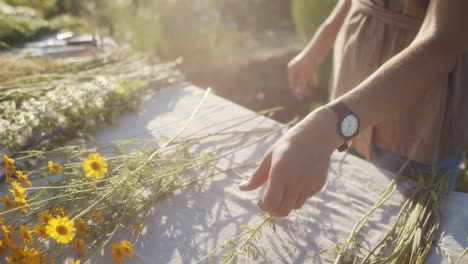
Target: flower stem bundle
[(411, 236), (80, 197), (70, 96)]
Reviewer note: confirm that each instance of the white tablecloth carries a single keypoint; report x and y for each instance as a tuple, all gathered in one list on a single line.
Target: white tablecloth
[(188, 225)]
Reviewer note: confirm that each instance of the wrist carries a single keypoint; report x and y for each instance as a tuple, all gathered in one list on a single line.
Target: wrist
[(325, 121), (330, 126)]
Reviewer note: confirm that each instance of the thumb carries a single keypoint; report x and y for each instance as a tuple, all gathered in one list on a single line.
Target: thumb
[(259, 177)]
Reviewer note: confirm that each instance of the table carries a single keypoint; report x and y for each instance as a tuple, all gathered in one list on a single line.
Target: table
[(187, 226)]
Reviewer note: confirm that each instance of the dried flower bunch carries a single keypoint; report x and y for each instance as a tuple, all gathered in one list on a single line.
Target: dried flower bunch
[(71, 207), (71, 96), (412, 234)]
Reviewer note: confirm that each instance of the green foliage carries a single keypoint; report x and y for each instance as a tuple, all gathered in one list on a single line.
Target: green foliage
[(243, 244), (308, 15), (24, 23), (47, 8), (195, 31)]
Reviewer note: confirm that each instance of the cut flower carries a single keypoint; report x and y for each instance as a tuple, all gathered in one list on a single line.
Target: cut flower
[(94, 166), (61, 229)]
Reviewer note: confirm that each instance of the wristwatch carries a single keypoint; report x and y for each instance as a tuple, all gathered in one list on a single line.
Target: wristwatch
[(347, 122)]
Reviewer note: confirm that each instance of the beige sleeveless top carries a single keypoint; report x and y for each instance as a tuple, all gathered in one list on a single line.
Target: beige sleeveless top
[(373, 32)]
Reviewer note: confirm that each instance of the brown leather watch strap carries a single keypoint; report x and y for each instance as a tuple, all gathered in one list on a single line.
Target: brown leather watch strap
[(341, 111)]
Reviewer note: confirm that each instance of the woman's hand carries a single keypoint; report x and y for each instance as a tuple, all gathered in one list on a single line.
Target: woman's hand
[(301, 71), (302, 68), (296, 166)]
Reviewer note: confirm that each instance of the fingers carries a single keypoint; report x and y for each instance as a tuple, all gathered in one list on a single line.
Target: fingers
[(301, 91), (298, 82), (273, 197), (301, 199), (259, 177), (287, 204)]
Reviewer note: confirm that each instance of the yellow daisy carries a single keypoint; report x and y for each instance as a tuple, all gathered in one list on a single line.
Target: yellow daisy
[(44, 216), (2, 247), (127, 247), (118, 253), (8, 237), (7, 201), (23, 178), (61, 229), (57, 208), (97, 215), (9, 167), (136, 227), (54, 167), (74, 261), (94, 166), (81, 226), (26, 234), (40, 230), (79, 245), (18, 192), (30, 255), (63, 212), (23, 205)]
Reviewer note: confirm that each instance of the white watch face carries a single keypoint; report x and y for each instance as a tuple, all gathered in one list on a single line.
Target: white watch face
[(349, 126)]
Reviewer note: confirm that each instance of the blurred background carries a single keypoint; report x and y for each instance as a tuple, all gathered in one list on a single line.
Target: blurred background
[(239, 48)]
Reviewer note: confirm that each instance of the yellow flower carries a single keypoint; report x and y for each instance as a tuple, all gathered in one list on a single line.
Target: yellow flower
[(44, 216), (29, 255), (118, 253), (54, 167), (23, 178), (97, 215), (7, 201), (79, 245), (40, 230), (26, 234), (94, 166), (136, 227), (74, 261), (2, 247), (8, 237), (18, 192), (64, 212), (57, 208), (121, 251), (81, 226), (127, 247), (9, 167), (39, 259), (23, 205), (61, 229)]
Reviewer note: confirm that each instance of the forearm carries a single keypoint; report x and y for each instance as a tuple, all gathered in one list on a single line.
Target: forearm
[(324, 39), (422, 66), (398, 84)]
